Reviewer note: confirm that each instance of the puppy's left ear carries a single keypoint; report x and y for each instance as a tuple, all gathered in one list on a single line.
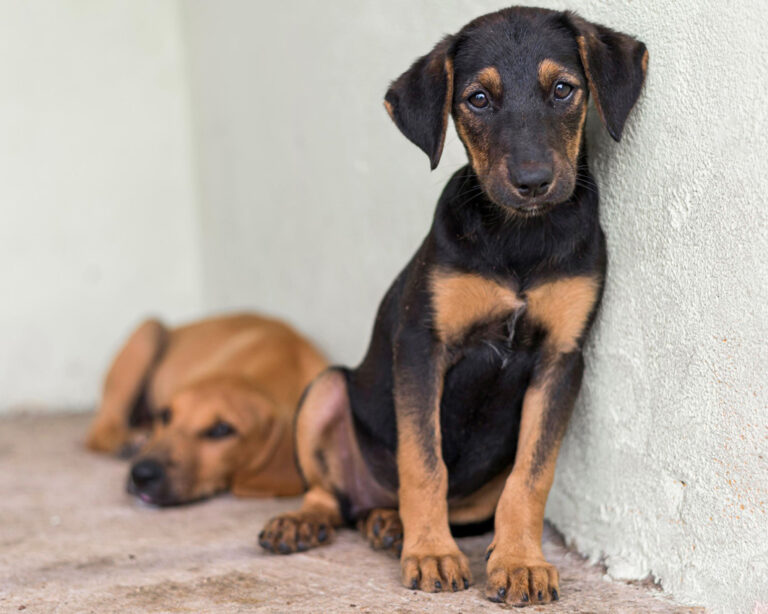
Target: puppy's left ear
[(615, 65), (419, 101)]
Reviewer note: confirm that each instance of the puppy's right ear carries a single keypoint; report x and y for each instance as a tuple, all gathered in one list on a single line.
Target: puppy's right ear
[(419, 101)]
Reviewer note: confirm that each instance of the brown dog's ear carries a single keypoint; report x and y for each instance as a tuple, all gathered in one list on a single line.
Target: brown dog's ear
[(267, 465), (271, 469), (419, 101), (123, 406), (615, 65)]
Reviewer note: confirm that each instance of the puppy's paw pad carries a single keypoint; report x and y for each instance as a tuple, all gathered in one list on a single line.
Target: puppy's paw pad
[(520, 581), (384, 530), (295, 533), (434, 574)]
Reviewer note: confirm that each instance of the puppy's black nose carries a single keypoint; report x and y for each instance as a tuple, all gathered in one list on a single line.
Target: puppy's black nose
[(532, 178), (146, 472)]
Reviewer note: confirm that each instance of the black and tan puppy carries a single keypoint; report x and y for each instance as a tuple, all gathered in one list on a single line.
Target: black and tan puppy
[(457, 411), (210, 407)]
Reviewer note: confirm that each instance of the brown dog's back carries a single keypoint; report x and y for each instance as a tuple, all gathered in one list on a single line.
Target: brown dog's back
[(156, 363)]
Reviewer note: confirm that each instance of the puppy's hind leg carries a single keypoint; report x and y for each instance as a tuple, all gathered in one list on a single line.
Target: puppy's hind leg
[(323, 430), (111, 429)]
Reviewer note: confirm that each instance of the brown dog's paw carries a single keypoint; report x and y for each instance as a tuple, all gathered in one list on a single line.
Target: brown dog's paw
[(520, 581), (433, 574), (383, 530), (295, 533)]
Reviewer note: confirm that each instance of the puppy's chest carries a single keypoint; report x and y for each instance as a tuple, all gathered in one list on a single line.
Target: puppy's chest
[(468, 308)]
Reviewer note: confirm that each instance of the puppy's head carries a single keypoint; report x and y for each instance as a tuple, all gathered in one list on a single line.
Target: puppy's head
[(516, 83), (215, 435)]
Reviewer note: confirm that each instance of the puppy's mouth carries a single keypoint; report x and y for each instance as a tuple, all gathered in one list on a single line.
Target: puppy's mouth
[(533, 210)]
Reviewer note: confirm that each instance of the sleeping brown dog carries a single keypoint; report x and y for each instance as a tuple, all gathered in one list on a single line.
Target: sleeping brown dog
[(209, 406)]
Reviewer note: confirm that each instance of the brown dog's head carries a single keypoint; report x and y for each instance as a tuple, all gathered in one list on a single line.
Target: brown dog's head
[(516, 83), (216, 435)]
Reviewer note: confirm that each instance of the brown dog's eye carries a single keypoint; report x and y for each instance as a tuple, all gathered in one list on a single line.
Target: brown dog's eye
[(164, 416), (562, 90), (478, 100), (219, 430)]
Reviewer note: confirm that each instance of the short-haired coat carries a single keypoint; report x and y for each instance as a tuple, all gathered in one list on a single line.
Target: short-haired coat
[(457, 411)]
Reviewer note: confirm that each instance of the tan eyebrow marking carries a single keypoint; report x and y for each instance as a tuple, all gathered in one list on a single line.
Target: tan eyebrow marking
[(549, 70), (490, 79)]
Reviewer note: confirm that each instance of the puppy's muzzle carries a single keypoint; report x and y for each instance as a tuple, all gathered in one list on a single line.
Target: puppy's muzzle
[(531, 179)]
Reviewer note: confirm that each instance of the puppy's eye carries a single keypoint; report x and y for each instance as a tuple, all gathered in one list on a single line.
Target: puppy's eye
[(479, 100), (562, 90), (220, 430), (164, 416)]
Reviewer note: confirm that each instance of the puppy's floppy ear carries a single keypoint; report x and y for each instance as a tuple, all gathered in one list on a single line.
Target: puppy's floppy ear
[(419, 101), (615, 65)]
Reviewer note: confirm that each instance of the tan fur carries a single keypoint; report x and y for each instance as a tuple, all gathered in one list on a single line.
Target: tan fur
[(390, 110), (462, 300), (563, 307), (490, 79), (516, 558), (109, 431), (448, 68), (551, 71), (327, 448), (574, 142), (246, 370), (478, 155), (331, 461)]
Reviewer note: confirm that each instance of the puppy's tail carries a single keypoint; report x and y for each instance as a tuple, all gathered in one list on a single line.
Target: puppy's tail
[(123, 405)]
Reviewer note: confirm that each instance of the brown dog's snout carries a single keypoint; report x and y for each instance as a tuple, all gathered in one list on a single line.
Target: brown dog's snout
[(531, 179), (147, 478)]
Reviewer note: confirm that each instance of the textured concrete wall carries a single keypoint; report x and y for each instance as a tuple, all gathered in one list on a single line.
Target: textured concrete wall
[(97, 217), (313, 201), (665, 468)]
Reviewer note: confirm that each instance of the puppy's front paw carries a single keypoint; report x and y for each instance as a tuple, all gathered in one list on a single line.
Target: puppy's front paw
[(437, 572), (296, 533), (520, 580)]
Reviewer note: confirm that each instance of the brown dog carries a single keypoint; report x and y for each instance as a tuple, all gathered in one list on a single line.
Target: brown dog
[(216, 401)]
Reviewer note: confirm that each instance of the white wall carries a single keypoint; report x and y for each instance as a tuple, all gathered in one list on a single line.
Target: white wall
[(313, 201), (309, 202), (97, 216)]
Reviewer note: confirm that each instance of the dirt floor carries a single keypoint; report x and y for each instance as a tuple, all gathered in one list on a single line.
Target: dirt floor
[(71, 540)]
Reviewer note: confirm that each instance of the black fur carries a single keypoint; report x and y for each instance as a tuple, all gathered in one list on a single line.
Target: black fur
[(490, 368)]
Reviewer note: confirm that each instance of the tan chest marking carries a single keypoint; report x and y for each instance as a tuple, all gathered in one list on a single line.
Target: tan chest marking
[(563, 307), (461, 300)]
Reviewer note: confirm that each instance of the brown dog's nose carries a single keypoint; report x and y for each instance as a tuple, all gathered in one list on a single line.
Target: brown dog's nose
[(146, 473), (532, 178)]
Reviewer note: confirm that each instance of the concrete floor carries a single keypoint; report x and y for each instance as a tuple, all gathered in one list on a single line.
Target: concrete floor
[(72, 541)]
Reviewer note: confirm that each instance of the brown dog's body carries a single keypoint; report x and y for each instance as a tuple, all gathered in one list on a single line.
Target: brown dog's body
[(217, 398)]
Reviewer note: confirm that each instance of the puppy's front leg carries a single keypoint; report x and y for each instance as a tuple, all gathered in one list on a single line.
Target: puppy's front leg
[(517, 570), (431, 560)]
